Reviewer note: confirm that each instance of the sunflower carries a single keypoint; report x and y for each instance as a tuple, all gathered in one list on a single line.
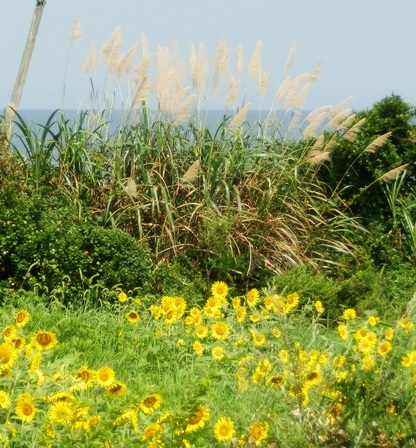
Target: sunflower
[(87, 376), (263, 367), (198, 348), (21, 318), (349, 314), (61, 412), (18, 342), (133, 317), (373, 320), (35, 362), (5, 400), (218, 353), (201, 332), (94, 420), (212, 312), (62, 396), (8, 356), (313, 378), (252, 297), (276, 333), (406, 324), (197, 419), (343, 331), (214, 302), (196, 314), (384, 348), (129, 416), (219, 289), (259, 432), (122, 297), (292, 301), (44, 340), (220, 330), (275, 381), (319, 307), (389, 334), (259, 339), (170, 316), (150, 403), (151, 430), (9, 332), (224, 429), (240, 313), (116, 388), (25, 409), (105, 376)]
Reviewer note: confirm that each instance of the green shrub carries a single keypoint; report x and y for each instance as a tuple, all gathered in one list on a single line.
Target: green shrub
[(43, 246)]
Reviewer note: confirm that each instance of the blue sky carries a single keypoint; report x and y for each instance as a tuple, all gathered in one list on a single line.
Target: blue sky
[(366, 46)]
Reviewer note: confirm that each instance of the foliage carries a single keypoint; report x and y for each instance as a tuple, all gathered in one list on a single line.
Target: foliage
[(45, 247), (359, 169)]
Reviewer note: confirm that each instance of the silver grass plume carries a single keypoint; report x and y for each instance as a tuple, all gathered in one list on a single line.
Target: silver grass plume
[(352, 133), (392, 174), (254, 67), (239, 118), (76, 34), (290, 60), (378, 142)]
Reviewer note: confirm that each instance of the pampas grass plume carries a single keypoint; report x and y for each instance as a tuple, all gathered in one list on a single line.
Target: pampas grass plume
[(254, 67), (76, 34), (239, 118), (378, 142), (290, 60), (392, 174)]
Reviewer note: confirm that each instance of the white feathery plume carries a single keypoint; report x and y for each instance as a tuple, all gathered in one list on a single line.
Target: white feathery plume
[(378, 142), (191, 173), (290, 61), (198, 67), (132, 187), (319, 143), (316, 157), (254, 67), (339, 118), (144, 45), (113, 43), (76, 34), (221, 64), (240, 60), (311, 129), (352, 133), (239, 118), (89, 63), (182, 113), (142, 93), (264, 80), (141, 69), (232, 93), (126, 61), (392, 174), (347, 123)]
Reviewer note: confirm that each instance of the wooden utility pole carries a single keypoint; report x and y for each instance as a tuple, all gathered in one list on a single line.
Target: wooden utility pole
[(24, 67)]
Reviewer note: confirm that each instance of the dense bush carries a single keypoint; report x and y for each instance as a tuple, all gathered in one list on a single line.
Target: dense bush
[(44, 246), (358, 169)]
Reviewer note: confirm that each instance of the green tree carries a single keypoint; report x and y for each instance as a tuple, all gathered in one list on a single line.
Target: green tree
[(359, 170)]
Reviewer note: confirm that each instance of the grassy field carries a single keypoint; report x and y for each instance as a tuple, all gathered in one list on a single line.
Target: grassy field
[(251, 370)]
